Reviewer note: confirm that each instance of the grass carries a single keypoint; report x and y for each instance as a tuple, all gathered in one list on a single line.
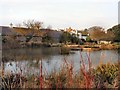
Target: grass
[(103, 76)]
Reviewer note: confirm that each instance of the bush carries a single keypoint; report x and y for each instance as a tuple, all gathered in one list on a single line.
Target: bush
[(105, 73)]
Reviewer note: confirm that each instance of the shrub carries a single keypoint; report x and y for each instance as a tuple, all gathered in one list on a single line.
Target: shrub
[(105, 73)]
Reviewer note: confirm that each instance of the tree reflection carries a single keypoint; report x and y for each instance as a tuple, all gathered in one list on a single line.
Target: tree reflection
[(119, 54)]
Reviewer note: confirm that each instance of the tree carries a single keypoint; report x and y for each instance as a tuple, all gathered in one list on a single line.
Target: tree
[(46, 38), (109, 36), (116, 31), (31, 24), (88, 39), (65, 37), (74, 39), (96, 33), (37, 25)]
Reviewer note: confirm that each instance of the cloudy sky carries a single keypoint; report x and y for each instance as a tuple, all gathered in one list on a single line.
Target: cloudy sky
[(78, 14)]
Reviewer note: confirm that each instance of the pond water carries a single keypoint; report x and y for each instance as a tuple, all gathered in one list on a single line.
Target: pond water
[(28, 60)]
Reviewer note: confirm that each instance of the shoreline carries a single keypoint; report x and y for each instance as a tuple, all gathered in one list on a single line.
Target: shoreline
[(94, 47), (88, 47)]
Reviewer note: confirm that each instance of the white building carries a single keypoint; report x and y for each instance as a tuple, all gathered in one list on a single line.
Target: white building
[(79, 34)]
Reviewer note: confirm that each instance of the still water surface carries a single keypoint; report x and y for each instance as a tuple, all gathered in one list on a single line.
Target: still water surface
[(28, 60)]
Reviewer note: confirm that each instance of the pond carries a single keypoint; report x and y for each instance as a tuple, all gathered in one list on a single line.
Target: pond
[(27, 60)]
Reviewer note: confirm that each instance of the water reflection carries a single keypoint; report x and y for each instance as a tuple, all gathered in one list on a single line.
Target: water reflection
[(118, 54), (27, 60)]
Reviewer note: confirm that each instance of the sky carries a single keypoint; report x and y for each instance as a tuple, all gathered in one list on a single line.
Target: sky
[(78, 14)]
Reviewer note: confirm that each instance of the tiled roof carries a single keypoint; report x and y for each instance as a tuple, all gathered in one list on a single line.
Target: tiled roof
[(6, 30)]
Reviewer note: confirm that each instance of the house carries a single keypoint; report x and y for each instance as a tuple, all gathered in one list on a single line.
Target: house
[(82, 34), (71, 31), (8, 38), (6, 31), (21, 39), (28, 35), (19, 33), (37, 40), (11, 32)]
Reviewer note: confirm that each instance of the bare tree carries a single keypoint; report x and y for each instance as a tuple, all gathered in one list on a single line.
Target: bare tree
[(37, 25), (32, 24), (28, 23)]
